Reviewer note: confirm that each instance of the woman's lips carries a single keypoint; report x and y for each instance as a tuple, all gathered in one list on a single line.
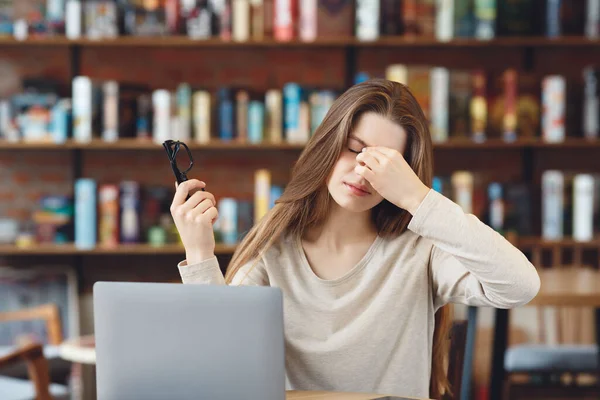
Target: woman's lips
[(356, 190)]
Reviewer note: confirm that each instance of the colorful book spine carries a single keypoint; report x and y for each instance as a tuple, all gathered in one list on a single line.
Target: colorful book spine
[(73, 19), (286, 16), (397, 73), (82, 109), (553, 24), (391, 18), (108, 219), (228, 220), (426, 14), (55, 16), (274, 115), (202, 113), (592, 23), (274, 195), (583, 207), (110, 132), (553, 106), (184, 111), (591, 104), (444, 22), (241, 115), (485, 19), (462, 185), (225, 20), (226, 114), (59, 121), (130, 212), (463, 18), (320, 103), (496, 203), (440, 85), (262, 192), (335, 18), (144, 117), (409, 18), (367, 20), (241, 20), (256, 118), (308, 20), (161, 105), (257, 20), (85, 213), (509, 120), (552, 204), (199, 19), (292, 97), (478, 107)]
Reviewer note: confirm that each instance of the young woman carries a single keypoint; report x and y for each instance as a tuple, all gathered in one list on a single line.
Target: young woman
[(365, 253)]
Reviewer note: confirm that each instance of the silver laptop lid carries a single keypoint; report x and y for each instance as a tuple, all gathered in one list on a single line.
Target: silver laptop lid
[(174, 341)]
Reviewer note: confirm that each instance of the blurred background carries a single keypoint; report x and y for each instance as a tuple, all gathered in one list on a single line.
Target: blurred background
[(90, 89)]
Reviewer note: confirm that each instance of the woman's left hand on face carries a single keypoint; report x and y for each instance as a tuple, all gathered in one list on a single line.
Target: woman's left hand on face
[(392, 177)]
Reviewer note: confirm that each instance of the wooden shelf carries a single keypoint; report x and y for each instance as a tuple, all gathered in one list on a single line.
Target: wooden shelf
[(124, 249), (523, 243), (528, 242), (391, 41), (136, 144)]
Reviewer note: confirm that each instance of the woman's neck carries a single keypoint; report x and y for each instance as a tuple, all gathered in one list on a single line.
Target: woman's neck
[(343, 228)]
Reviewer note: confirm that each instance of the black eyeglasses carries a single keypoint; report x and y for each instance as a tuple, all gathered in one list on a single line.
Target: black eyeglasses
[(179, 159)]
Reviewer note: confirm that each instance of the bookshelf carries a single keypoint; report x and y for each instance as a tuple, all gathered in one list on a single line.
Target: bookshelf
[(392, 41), (69, 249), (217, 145), (524, 158)]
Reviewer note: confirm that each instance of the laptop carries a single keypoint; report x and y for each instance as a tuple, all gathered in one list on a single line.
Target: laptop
[(175, 341)]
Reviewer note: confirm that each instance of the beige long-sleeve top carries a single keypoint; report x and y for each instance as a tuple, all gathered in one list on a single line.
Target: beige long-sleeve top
[(372, 329)]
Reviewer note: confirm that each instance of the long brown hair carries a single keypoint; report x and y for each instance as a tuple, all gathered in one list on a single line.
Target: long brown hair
[(305, 201)]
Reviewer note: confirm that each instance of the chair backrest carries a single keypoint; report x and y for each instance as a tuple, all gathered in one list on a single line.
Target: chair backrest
[(458, 343), (47, 312), (567, 324)]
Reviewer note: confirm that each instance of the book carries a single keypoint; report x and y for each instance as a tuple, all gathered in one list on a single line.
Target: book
[(292, 97), (553, 106), (241, 117), (464, 19), (583, 207), (485, 19), (335, 18), (274, 115), (440, 84), (285, 20), (479, 107), (591, 103), (444, 22), (199, 19), (226, 114), (262, 192), (426, 13), (367, 20), (202, 116), (101, 20), (307, 27), (460, 100), (410, 23), (462, 184), (228, 220), (85, 213), (553, 187), (129, 212), (592, 22), (82, 109), (108, 218), (6, 17), (241, 20), (256, 118), (517, 18), (390, 19), (161, 106)]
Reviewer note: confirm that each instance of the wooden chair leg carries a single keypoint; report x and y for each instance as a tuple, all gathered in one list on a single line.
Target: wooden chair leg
[(38, 368)]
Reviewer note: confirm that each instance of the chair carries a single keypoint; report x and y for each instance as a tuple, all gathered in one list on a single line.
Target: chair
[(456, 358), (32, 354), (543, 367)]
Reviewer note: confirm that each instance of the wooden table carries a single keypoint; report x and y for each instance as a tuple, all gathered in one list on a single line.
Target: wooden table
[(579, 287), (301, 395)]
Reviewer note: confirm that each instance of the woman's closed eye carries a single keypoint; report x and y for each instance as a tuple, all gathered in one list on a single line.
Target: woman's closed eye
[(354, 151)]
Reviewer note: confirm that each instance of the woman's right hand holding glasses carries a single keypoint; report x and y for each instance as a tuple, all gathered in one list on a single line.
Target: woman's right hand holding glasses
[(194, 219)]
